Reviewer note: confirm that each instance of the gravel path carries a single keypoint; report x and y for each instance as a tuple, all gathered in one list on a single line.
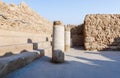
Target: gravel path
[(79, 64)]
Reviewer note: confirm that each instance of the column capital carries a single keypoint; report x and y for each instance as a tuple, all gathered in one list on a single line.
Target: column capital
[(58, 23), (67, 28)]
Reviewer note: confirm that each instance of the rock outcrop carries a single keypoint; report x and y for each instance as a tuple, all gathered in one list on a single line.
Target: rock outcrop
[(22, 18)]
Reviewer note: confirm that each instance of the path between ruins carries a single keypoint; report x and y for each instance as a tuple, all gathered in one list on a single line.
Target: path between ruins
[(79, 64)]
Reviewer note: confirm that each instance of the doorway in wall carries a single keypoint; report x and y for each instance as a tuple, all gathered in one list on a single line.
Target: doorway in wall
[(77, 37)]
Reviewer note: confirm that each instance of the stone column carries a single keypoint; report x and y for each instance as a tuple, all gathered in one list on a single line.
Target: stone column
[(67, 39), (58, 42)]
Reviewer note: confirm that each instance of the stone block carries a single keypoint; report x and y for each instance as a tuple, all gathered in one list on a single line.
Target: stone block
[(58, 56), (14, 62)]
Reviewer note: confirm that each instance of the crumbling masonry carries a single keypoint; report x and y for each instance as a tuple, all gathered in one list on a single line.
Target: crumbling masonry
[(26, 36), (102, 32)]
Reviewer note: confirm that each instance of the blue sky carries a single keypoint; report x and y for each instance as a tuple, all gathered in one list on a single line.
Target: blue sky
[(71, 11)]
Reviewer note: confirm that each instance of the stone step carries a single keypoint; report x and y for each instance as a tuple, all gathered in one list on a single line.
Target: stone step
[(14, 62), (15, 49)]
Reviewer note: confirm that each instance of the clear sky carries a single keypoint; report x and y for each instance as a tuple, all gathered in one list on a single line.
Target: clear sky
[(71, 11)]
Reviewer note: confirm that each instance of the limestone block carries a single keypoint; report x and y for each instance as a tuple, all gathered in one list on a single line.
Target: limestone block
[(58, 56), (12, 63)]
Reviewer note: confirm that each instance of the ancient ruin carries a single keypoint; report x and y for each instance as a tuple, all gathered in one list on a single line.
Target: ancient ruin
[(26, 36), (102, 31), (77, 35), (67, 35), (58, 42)]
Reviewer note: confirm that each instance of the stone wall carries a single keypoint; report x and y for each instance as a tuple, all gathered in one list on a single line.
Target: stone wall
[(21, 27), (102, 32), (77, 37)]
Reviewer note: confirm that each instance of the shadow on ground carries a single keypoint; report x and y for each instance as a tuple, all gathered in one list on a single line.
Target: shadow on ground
[(77, 65)]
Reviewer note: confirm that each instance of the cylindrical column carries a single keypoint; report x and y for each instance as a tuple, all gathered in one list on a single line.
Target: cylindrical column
[(58, 42), (58, 36), (67, 39)]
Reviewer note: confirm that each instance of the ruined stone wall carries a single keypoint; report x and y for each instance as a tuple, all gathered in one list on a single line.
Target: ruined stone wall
[(102, 32), (77, 37), (20, 27)]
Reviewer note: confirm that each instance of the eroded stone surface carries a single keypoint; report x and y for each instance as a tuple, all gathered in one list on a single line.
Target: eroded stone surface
[(58, 56), (58, 23), (11, 63), (20, 25), (102, 31), (23, 18)]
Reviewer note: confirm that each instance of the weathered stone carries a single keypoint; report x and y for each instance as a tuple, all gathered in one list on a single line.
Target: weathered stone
[(102, 31), (58, 23), (20, 27), (23, 18), (77, 36), (58, 37), (67, 40), (58, 42), (11, 63), (58, 56)]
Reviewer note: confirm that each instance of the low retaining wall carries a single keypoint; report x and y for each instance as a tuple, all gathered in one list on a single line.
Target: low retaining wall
[(15, 42), (11, 63)]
